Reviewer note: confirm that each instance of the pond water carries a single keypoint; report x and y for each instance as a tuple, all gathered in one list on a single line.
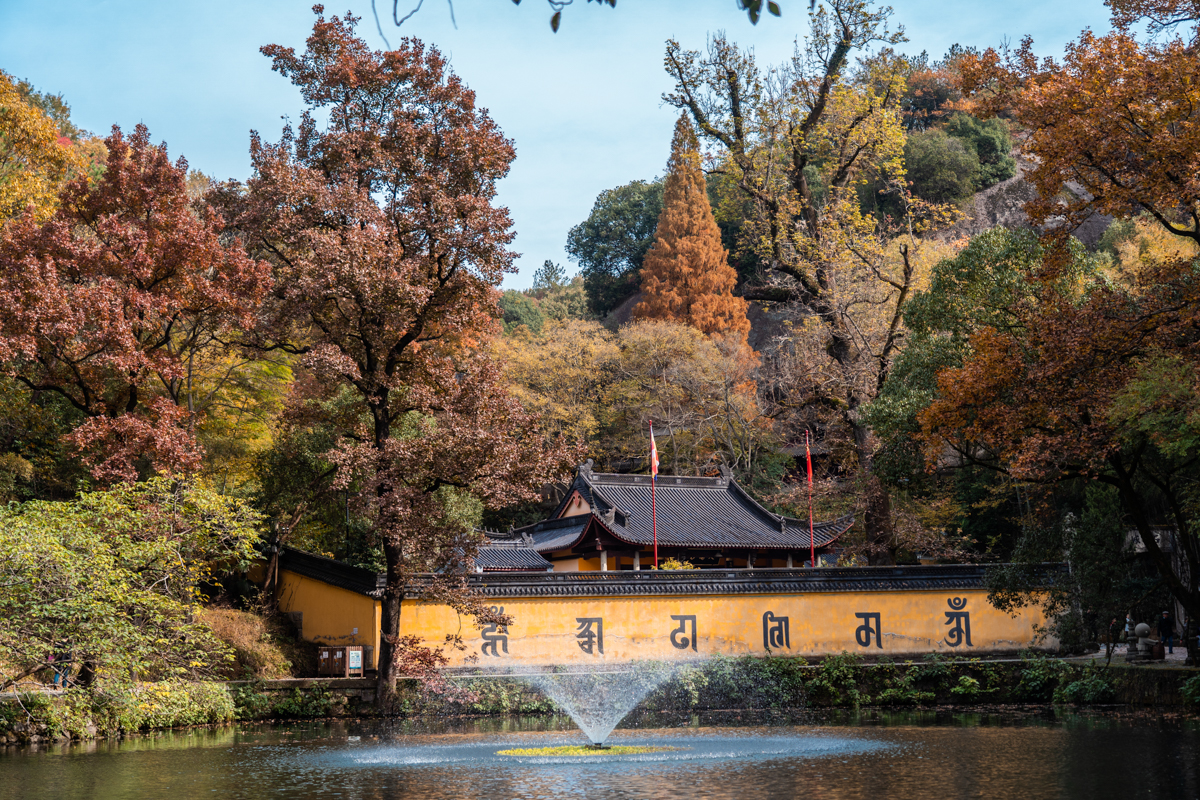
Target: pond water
[(873, 756)]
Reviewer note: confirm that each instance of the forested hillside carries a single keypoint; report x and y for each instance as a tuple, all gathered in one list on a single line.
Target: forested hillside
[(970, 280)]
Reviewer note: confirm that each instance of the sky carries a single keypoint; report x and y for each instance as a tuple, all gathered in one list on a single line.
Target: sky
[(583, 106)]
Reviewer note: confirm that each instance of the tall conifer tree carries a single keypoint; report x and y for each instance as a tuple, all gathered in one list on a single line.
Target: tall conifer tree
[(686, 276)]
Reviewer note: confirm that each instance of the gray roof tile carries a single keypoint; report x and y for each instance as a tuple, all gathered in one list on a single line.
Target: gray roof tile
[(692, 512), (515, 556)]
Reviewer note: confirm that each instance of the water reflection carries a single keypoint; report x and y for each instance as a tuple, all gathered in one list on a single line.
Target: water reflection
[(877, 756)]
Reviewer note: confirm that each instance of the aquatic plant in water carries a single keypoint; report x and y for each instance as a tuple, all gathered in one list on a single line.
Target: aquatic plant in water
[(582, 750)]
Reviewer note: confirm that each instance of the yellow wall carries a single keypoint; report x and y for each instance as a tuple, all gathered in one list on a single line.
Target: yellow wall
[(330, 613), (544, 629)]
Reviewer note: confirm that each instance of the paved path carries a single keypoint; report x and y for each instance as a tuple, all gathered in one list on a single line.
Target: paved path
[(1175, 659)]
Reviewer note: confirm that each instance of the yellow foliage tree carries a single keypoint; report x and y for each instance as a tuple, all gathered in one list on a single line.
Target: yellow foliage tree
[(560, 375), (686, 275), (35, 158), (601, 389)]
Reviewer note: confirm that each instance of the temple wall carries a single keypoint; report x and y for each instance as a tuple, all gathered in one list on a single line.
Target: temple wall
[(329, 614), (547, 630)]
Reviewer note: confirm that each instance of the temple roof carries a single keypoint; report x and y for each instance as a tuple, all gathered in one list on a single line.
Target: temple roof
[(695, 513), (509, 556), (335, 573)]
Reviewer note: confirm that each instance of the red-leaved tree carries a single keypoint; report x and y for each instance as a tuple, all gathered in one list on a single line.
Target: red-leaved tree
[(387, 250), (106, 302)]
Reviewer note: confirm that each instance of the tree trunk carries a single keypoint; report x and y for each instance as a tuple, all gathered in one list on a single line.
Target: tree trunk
[(389, 623), (1182, 588), (877, 520), (877, 514)]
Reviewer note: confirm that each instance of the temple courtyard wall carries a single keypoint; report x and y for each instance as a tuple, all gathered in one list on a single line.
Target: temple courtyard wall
[(598, 618)]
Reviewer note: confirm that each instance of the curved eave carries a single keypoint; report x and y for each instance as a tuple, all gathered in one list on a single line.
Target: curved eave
[(844, 524), (583, 532)]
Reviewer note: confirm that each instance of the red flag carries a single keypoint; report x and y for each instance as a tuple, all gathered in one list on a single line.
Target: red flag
[(653, 453), (808, 457)]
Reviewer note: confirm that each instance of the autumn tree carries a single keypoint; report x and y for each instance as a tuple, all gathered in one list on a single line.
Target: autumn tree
[(36, 159), (974, 291), (1086, 377), (1160, 16), (108, 302), (602, 388), (817, 122), (377, 214), (685, 276), (1111, 129)]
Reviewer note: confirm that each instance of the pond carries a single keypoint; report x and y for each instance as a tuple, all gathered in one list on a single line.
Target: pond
[(742, 757)]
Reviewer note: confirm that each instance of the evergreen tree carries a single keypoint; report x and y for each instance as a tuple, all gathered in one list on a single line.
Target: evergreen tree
[(686, 276)]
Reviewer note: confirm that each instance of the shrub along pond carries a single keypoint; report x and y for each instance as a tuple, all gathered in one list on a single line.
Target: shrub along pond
[(749, 683)]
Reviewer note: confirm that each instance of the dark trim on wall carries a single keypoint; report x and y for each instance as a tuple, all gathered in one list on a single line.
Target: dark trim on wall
[(335, 573), (626, 583), (649, 583)]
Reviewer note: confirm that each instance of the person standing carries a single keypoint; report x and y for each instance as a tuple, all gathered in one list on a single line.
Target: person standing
[(1166, 631)]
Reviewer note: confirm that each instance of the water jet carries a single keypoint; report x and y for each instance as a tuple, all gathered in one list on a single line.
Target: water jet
[(598, 700)]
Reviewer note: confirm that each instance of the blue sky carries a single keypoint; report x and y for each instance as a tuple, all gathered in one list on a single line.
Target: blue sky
[(583, 105)]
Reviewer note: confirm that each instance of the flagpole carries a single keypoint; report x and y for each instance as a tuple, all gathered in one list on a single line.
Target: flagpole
[(812, 546), (653, 481)]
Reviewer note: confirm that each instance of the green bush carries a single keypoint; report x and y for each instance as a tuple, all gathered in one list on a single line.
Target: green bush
[(518, 309), (941, 168), (837, 680), (1040, 676), (991, 144), (315, 702), (505, 697), (80, 713), (968, 688), (251, 702), (901, 686), (1092, 687), (1190, 689)]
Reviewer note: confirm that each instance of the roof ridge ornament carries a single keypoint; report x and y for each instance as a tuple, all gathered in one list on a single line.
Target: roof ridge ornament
[(726, 472), (586, 468)]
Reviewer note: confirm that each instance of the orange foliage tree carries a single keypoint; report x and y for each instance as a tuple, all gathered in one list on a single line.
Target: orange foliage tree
[(1112, 129), (686, 276), (1093, 381), (387, 249), (35, 158)]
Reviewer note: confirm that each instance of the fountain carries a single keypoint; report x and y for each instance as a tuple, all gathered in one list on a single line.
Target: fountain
[(598, 700)]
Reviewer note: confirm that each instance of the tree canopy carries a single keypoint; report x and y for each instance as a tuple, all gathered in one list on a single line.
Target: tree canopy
[(387, 249), (685, 275), (109, 582), (611, 243)]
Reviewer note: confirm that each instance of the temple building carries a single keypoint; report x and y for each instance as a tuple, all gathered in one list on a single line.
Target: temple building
[(572, 585), (603, 523)]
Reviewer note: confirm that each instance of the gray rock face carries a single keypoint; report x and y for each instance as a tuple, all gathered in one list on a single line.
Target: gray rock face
[(1002, 206)]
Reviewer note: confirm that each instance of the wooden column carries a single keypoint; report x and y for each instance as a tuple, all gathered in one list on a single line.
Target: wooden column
[(604, 561), (750, 560), (789, 560), (637, 560)]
